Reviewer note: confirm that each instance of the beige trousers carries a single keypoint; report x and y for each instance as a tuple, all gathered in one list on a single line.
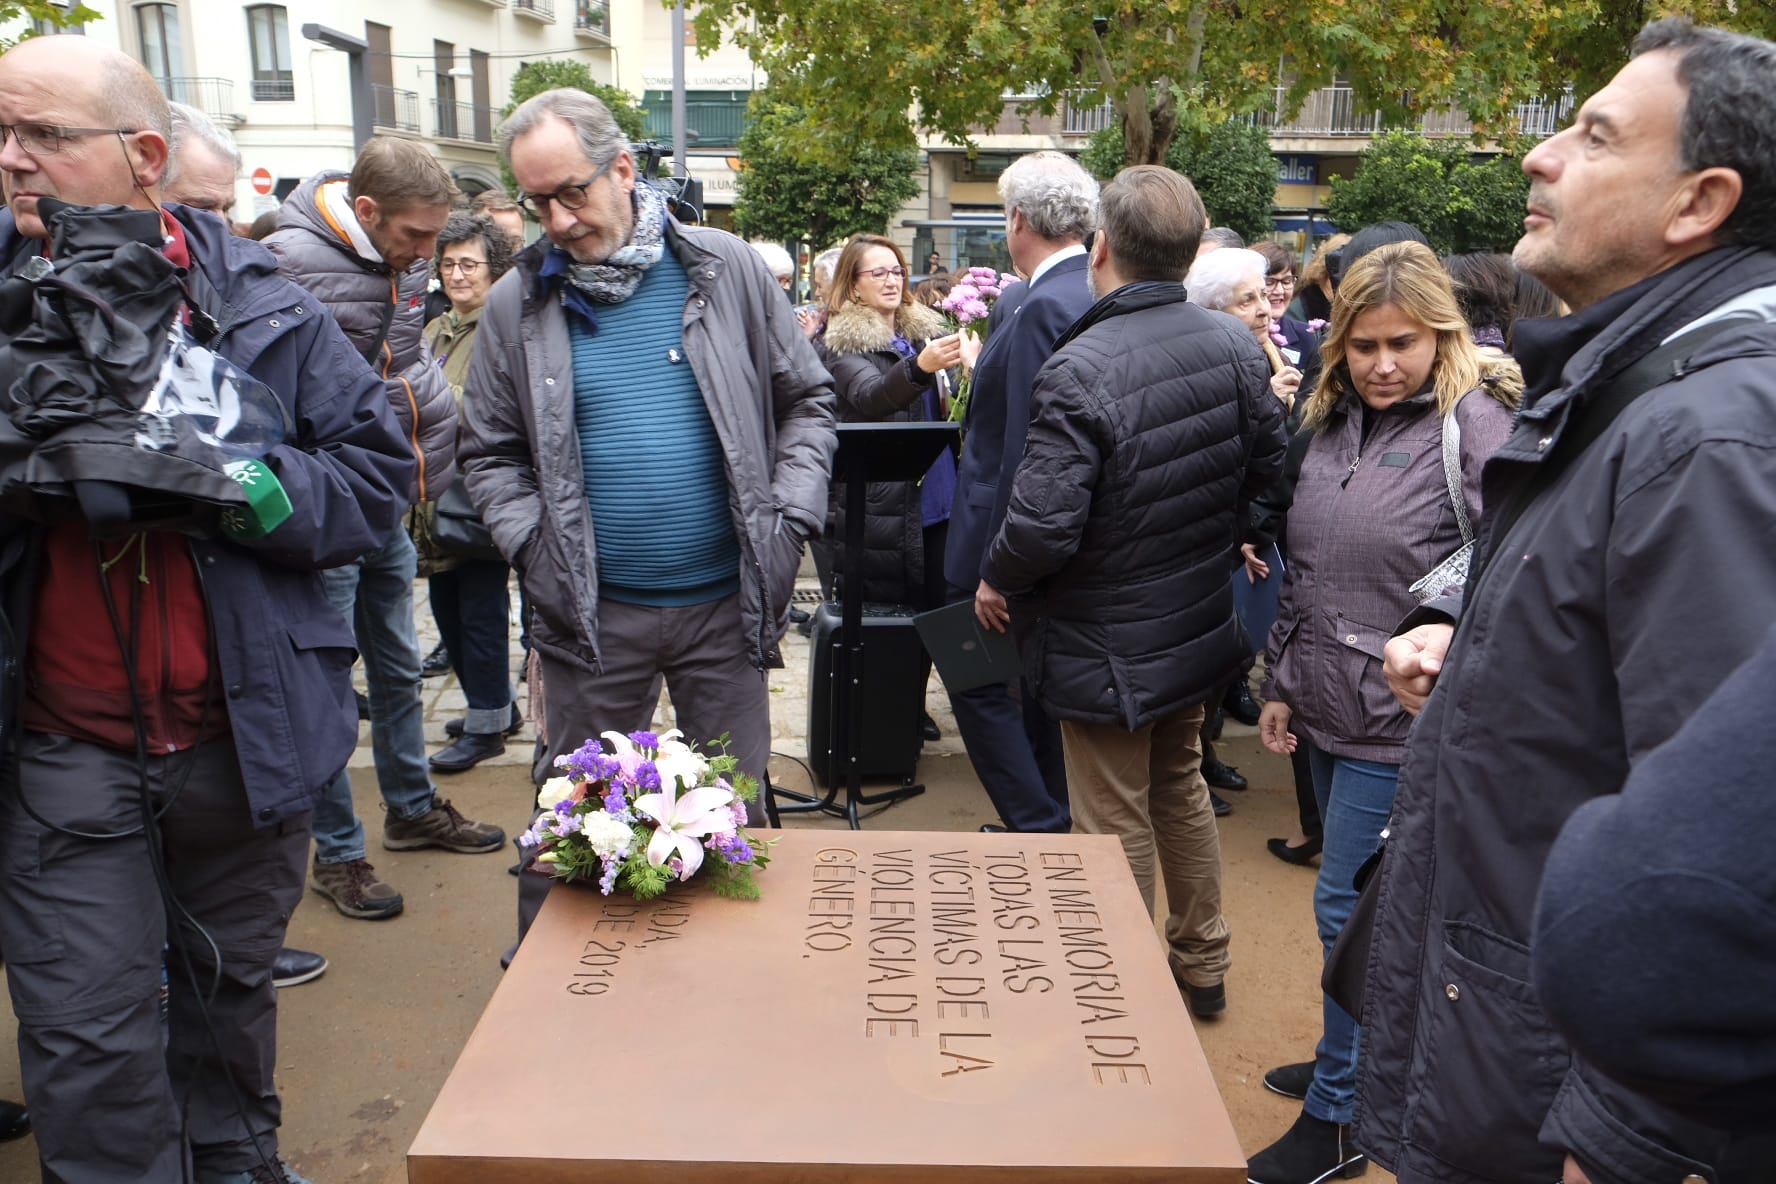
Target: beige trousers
[(1146, 788)]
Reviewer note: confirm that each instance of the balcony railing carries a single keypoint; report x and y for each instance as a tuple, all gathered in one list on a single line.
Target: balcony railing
[(1077, 120), (592, 17), (273, 90), (395, 108), (716, 124), (536, 10), (462, 121), (1334, 111), (213, 96)]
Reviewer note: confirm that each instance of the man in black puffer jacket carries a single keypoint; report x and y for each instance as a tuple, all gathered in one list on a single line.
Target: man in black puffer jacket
[(1152, 425)]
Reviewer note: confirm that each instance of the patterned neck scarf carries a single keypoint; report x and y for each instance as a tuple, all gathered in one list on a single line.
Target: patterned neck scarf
[(616, 279)]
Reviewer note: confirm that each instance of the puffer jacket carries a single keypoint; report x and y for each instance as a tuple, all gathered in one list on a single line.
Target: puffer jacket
[(1370, 517), (322, 247), (1151, 426), (873, 384), (283, 654), (1625, 593), (768, 396)]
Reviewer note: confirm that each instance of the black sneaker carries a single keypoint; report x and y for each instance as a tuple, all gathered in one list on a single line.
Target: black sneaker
[(1223, 776), (1290, 1080), (467, 751), (1206, 1002), (1219, 805), (294, 967), (1312, 1151)]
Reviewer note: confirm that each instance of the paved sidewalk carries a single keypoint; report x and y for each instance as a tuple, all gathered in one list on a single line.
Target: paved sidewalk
[(789, 693)]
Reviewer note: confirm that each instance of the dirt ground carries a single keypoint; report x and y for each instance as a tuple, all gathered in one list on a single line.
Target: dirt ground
[(364, 1049)]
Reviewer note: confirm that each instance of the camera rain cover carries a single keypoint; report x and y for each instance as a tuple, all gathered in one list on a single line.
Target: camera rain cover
[(221, 404)]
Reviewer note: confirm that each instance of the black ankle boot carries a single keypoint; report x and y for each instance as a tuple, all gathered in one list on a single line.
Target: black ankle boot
[(1312, 1151)]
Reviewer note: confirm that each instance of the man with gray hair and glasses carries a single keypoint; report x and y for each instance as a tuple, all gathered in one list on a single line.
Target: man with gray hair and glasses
[(648, 435), (1051, 204)]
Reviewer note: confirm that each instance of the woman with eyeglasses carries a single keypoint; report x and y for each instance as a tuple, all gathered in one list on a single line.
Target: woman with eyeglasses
[(888, 355), (1297, 340), (469, 596)]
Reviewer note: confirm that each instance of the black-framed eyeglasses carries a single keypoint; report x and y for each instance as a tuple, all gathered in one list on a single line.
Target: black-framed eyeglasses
[(47, 139), (1279, 281), (570, 197), (467, 266)]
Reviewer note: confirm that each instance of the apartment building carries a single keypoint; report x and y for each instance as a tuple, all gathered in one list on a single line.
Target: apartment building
[(438, 71)]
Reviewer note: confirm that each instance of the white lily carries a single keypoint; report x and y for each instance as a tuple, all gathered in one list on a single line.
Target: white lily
[(682, 821), (555, 789)]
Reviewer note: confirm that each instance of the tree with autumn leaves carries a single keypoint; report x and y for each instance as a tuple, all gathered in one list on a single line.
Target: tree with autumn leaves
[(860, 67)]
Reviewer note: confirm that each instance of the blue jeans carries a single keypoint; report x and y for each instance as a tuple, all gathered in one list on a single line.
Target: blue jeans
[(1355, 799), (473, 610), (376, 595)]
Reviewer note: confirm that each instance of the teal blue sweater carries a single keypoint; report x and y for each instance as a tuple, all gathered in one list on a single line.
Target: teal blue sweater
[(655, 476)]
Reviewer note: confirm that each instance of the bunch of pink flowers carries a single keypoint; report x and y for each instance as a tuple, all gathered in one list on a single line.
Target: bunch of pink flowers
[(972, 299)]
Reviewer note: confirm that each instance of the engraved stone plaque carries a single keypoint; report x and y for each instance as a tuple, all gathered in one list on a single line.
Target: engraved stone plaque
[(899, 1007)]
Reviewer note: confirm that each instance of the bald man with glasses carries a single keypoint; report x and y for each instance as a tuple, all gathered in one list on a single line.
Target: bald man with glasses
[(162, 771)]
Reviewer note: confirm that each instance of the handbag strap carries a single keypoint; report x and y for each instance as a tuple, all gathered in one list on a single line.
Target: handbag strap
[(1452, 472)]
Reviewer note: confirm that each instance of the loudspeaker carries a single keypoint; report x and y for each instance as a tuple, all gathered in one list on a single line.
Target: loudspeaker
[(892, 682)]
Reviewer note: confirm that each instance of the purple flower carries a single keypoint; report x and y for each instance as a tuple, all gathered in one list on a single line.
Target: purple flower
[(1276, 335), (677, 866), (615, 802), (608, 880), (647, 776), (740, 852), (647, 740)]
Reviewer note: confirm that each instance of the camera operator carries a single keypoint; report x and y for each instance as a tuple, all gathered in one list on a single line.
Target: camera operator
[(172, 704)]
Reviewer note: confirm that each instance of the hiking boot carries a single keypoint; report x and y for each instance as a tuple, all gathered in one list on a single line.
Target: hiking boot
[(441, 826), (1311, 1151), (277, 1172), (355, 889)]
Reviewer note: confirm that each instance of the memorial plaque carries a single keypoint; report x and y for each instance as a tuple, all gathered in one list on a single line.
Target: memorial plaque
[(899, 1007)]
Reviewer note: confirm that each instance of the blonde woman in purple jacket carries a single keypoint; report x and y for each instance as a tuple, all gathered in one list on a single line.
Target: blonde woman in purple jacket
[(1406, 412)]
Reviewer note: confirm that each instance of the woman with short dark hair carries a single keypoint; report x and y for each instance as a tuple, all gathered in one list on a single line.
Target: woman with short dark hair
[(469, 597)]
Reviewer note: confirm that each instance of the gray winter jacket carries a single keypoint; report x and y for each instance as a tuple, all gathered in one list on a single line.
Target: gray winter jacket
[(770, 400), (1151, 425), (1619, 600), (1370, 517), (329, 255)]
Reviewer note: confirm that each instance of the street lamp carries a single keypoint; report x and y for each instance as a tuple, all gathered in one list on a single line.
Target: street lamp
[(363, 116)]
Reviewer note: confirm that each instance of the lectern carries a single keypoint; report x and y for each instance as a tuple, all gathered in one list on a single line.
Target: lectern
[(867, 452)]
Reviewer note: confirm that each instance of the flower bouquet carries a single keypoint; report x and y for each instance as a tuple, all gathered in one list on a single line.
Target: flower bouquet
[(968, 304), (650, 811)]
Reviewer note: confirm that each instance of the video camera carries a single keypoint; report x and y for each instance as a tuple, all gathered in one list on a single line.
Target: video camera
[(684, 195)]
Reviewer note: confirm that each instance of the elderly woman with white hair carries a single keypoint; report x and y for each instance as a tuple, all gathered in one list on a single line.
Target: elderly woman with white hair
[(1231, 280)]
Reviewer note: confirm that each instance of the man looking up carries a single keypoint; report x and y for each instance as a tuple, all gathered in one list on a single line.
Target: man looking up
[(1630, 567), (1051, 204), (206, 763), (647, 435), (363, 245)]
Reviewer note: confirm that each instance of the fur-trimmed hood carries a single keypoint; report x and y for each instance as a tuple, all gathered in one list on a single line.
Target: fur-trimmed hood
[(856, 329)]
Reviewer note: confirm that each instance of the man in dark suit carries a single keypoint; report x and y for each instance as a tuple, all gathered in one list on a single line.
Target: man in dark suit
[(1051, 204)]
